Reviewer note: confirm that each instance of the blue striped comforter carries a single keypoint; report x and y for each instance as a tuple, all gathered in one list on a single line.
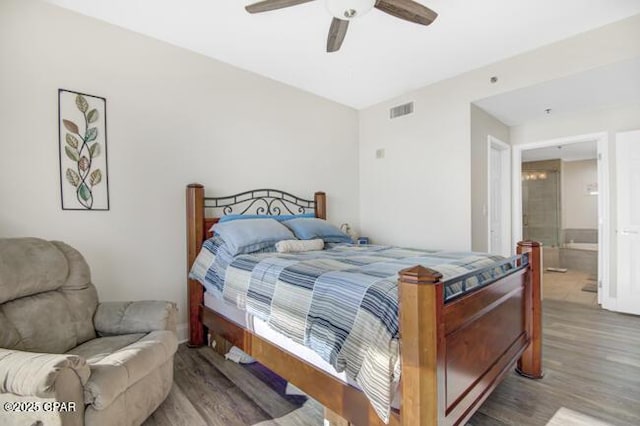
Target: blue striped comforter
[(341, 302)]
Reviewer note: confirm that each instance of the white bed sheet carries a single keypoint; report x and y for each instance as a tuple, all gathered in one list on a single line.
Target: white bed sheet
[(261, 329)]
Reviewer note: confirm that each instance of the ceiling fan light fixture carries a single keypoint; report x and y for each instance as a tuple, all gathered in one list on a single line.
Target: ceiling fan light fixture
[(349, 9)]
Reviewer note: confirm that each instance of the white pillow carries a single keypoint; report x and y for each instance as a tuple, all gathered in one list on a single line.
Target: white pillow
[(293, 246)]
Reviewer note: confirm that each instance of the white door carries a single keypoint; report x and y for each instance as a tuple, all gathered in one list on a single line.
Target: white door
[(499, 211), (628, 226), (495, 197)]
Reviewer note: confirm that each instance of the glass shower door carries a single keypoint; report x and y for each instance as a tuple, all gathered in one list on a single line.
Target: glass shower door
[(541, 206)]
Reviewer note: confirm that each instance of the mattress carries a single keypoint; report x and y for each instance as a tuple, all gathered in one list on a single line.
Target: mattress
[(262, 329)]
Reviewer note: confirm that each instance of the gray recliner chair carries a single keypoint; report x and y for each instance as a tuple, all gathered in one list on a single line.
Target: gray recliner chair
[(66, 359)]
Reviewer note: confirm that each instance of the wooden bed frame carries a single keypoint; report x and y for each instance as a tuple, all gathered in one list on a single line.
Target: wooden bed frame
[(453, 354)]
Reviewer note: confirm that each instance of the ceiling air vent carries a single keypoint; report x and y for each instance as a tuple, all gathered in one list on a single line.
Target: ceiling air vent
[(400, 110)]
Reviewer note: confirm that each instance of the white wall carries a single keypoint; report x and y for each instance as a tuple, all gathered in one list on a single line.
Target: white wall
[(579, 208), (420, 193), (483, 125), (174, 117)]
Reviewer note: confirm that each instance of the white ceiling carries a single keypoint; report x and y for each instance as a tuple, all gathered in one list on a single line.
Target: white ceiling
[(381, 57), (603, 87), (569, 152)]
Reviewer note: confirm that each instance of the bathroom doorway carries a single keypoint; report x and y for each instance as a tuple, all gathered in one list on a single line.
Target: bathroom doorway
[(560, 199)]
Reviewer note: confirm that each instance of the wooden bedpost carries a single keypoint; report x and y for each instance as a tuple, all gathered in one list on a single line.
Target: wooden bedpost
[(530, 364), (320, 199), (195, 236), (421, 297)]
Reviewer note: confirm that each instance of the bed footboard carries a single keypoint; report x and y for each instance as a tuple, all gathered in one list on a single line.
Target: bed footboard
[(454, 354)]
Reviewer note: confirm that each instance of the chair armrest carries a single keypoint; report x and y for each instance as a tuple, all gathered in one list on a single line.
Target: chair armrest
[(35, 374), (115, 318)]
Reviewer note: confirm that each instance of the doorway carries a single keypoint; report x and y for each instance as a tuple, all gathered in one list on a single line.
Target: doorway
[(569, 216)]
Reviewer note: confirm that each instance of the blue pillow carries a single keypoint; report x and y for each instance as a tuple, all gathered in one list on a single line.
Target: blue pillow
[(251, 235), (279, 218), (312, 228)]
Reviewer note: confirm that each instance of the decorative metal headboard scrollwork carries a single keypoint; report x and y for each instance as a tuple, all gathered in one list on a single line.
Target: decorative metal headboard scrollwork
[(261, 201)]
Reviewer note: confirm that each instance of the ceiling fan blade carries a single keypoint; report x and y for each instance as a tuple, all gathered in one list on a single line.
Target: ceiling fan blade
[(337, 31), (408, 10), (267, 5)]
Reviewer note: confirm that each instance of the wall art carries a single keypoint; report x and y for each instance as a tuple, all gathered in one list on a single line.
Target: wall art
[(82, 122)]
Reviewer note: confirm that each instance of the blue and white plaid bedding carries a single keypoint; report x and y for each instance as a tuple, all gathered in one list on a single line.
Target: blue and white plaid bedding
[(341, 302)]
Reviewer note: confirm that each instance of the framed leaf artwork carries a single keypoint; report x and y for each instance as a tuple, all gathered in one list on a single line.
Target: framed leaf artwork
[(82, 123)]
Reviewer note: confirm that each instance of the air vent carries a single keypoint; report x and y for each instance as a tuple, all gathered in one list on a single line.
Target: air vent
[(400, 110)]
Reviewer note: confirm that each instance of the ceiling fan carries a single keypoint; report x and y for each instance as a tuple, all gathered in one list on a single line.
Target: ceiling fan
[(344, 11)]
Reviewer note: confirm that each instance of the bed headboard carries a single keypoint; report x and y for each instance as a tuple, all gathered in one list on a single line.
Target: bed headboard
[(270, 202), (203, 212)]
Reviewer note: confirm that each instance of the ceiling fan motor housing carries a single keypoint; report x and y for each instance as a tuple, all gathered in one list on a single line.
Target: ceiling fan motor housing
[(349, 9)]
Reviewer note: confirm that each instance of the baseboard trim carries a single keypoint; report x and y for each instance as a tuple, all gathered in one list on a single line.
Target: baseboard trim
[(182, 332)]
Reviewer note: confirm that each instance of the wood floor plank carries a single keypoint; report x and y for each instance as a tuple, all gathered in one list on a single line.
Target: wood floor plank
[(216, 398), (480, 419), (259, 391), (591, 362), (177, 410)]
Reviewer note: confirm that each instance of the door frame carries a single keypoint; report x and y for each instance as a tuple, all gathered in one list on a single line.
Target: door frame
[(505, 159), (604, 223)]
